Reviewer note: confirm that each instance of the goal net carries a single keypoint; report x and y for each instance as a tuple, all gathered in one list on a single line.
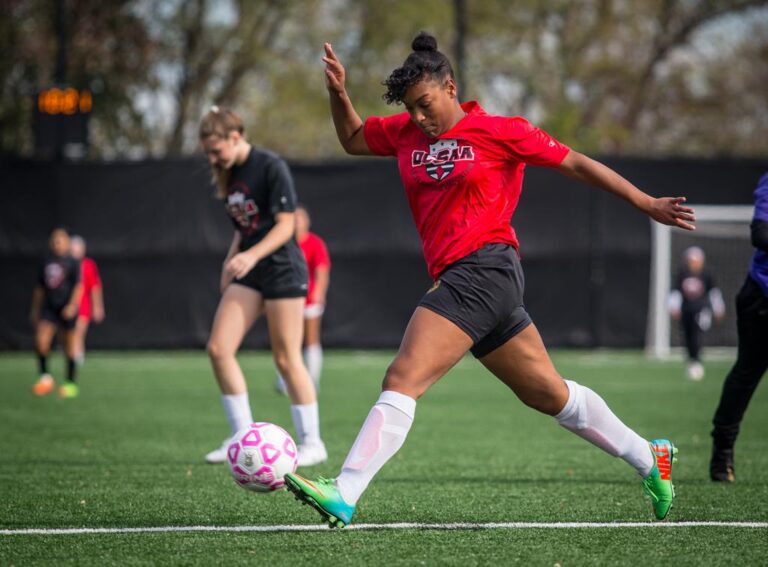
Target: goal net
[(722, 231)]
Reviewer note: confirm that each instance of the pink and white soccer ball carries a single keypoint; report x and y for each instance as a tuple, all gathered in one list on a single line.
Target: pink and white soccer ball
[(259, 456)]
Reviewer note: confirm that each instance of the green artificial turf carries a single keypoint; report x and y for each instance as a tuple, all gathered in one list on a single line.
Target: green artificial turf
[(128, 453)]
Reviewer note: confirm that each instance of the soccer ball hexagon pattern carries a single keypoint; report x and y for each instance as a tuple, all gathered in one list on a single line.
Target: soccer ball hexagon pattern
[(259, 456)]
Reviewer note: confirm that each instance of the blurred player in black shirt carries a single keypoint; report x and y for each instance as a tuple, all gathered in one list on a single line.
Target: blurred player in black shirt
[(55, 305), (264, 273), (693, 302)]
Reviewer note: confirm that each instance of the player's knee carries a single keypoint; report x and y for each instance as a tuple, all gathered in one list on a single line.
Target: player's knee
[(286, 364), (217, 350)]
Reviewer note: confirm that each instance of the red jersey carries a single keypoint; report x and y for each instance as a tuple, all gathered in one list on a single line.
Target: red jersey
[(464, 185), (89, 277), (316, 255)]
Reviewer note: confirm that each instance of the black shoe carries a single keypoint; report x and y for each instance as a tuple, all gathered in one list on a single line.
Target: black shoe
[(721, 465)]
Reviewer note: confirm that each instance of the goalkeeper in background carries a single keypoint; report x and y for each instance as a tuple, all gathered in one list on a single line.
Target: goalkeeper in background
[(752, 359), (693, 302)]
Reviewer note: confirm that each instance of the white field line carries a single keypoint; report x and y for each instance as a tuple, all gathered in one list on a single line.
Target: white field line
[(394, 526)]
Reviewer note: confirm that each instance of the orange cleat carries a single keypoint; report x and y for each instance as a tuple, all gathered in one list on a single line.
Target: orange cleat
[(44, 385)]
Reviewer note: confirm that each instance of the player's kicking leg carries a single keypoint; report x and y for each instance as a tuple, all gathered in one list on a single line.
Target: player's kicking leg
[(430, 347), (523, 364)]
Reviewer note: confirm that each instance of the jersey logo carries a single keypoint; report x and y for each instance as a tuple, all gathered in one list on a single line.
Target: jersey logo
[(693, 288), (54, 275), (442, 158), (243, 210)]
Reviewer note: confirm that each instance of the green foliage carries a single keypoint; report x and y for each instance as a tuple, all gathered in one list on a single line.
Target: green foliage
[(128, 452), (609, 76)]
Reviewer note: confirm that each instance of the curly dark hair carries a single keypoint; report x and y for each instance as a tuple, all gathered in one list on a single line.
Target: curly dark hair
[(425, 62)]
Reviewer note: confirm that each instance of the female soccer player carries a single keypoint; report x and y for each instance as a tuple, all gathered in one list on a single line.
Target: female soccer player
[(263, 273), (319, 267), (55, 304), (693, 301), (462, 170), (92, 302)]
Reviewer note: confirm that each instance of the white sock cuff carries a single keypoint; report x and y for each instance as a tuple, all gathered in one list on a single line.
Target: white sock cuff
[(405, 404), (303, 407), (575, 397)]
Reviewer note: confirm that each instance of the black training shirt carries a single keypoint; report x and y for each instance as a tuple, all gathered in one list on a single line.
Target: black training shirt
[(259, 188), (58, 276), (694, 289)]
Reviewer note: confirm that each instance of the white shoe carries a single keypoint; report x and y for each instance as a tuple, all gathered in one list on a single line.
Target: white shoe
[(218, 455), (312, 454), (695, 371)]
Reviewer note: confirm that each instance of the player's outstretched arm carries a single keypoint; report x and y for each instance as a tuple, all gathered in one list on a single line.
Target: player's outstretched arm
[(666, 210), (349, 126)]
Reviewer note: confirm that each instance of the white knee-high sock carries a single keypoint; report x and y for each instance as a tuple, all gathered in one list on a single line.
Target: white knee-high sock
[(588, 416), (381, 436), (306, 420), (313, 356), (238, 410)]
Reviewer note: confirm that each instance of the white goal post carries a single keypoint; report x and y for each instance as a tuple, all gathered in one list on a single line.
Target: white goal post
[(723, 223)]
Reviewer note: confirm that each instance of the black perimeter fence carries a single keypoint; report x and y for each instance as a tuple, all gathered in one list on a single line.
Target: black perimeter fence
[(159, 238)]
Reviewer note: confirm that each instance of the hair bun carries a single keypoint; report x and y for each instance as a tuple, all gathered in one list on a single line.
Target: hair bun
[(424, 42)]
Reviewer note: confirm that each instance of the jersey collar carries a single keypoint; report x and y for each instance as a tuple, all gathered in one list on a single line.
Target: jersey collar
[(470, 108)]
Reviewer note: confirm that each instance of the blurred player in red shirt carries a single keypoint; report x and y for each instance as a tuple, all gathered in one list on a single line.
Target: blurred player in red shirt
[(319, 267), (92, 302), (462, 170)]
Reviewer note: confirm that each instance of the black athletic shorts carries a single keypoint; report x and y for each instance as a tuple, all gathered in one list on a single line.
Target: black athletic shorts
[(54, 316), (278, 278), (483, 294)]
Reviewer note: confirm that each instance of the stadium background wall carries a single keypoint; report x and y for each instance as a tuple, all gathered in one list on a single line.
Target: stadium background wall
[(159, 237)]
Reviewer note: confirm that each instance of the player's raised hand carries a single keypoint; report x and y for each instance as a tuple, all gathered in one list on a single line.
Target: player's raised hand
[(335, 76), (673, 212)]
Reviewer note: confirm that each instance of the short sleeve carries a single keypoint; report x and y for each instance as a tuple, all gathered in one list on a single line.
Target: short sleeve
[(94, 279), (528, 144), (282, 196), (381, 133), (322, 259)]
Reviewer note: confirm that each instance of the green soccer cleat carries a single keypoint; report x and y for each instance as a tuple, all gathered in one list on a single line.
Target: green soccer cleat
[(658, 484), (69, 390), (323, 496)]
